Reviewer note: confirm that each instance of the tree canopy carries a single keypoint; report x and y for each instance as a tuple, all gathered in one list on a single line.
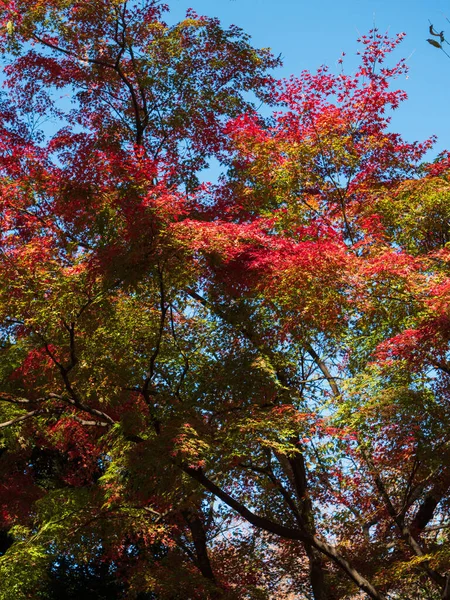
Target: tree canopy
[(236, 390)]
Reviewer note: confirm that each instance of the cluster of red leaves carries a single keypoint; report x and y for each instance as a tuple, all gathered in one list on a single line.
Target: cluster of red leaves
[(18, 493)]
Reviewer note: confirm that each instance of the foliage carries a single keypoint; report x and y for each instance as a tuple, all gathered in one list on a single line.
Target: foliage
[(229, 391)]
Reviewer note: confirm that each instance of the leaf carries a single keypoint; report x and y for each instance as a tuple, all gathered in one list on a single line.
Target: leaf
[(434, 43), (435, 33)]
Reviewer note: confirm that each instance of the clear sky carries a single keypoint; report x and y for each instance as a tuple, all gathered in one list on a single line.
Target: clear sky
[(308, 33)]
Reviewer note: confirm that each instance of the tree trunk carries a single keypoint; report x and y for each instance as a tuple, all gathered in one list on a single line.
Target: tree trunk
[(197, 530), (317, 570)]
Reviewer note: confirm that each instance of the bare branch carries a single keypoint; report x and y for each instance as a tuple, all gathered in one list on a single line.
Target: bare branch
[(29, 415)]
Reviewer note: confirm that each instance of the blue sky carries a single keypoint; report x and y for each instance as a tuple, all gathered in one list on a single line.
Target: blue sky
[(308, 34)]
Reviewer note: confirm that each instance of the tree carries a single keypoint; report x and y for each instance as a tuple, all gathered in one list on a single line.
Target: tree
[(180, 361)]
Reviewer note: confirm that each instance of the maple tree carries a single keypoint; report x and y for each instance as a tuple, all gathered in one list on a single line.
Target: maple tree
[(236, 390)]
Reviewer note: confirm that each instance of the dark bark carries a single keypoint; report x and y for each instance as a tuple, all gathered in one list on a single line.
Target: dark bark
[(425, 512), (317, 569), (196, 527)]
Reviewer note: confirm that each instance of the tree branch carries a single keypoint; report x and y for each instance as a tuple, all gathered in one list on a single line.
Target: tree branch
[(285, 532), (29, 415)]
